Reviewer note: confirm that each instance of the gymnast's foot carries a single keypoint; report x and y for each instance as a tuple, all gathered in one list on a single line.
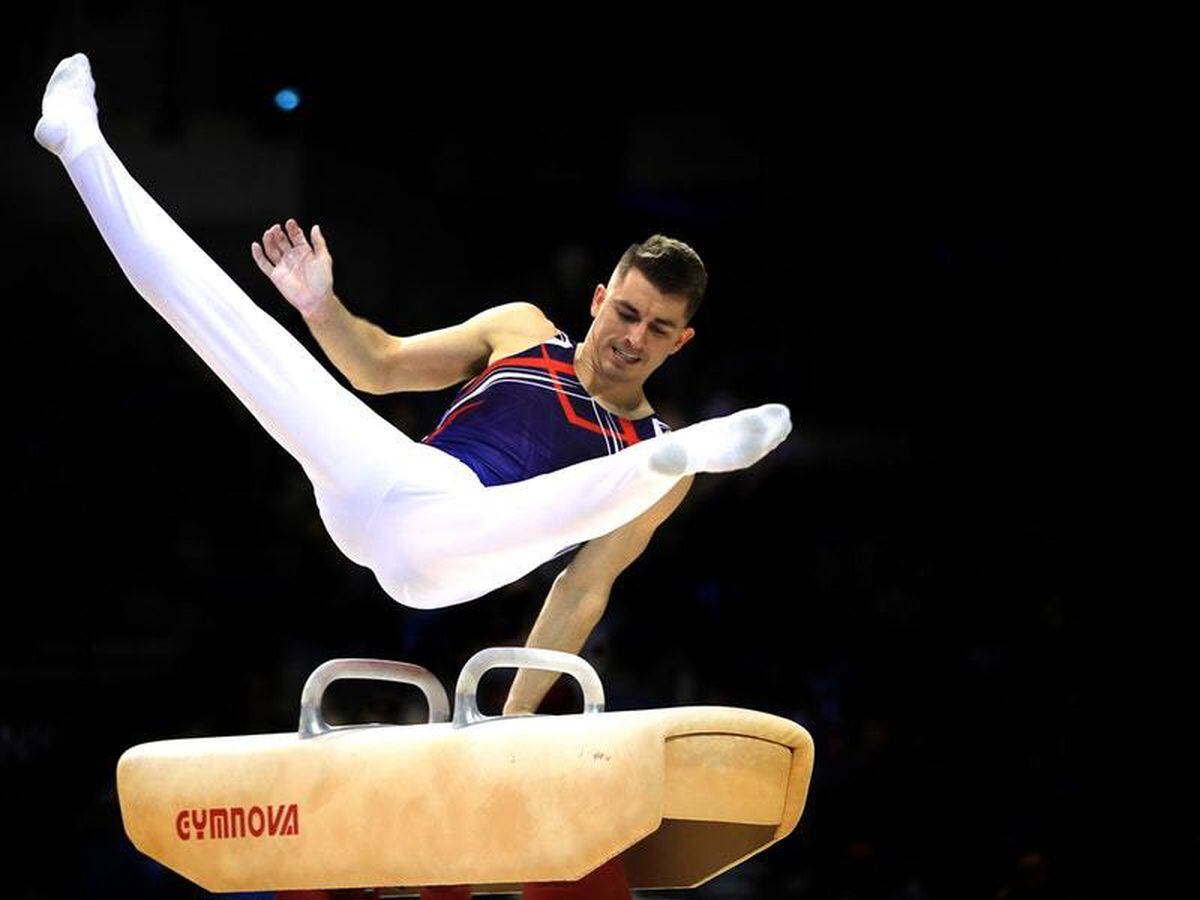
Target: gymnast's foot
[(68, 125), (723, 444)]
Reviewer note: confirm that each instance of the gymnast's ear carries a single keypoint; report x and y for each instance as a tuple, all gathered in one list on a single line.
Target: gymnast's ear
[(598, 299), (684, 336)]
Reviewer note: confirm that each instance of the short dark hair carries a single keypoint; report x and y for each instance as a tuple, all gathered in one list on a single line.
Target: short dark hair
[(671, 266)]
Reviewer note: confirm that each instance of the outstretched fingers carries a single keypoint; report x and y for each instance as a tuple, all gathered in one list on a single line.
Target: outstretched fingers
[(319, 241), (296, 233), (276, 244), (264, 264)]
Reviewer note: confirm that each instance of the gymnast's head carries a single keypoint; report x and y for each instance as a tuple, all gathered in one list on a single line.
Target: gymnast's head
[(642, 315)]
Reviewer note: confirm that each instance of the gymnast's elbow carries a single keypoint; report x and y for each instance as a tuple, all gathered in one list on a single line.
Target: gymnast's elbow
[(407, 365)]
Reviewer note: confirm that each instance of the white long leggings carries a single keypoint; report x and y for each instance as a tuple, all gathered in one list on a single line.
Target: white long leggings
[(417, 517)]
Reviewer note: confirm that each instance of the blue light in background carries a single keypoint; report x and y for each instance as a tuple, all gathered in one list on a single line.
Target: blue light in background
[(287, 99)]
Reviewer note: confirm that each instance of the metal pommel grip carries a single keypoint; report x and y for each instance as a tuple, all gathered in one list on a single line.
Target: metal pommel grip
[(466, 708), (313, 724)]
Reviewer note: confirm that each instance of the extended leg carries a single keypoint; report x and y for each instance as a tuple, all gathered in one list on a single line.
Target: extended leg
[(445, 548), (418, 517), (346, 449)]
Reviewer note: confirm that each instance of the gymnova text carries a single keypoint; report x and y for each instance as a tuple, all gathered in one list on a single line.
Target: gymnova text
[(237, 822)]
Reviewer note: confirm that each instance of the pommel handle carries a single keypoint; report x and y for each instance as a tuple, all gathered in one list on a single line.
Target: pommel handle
[(313, 724), (466, 708)]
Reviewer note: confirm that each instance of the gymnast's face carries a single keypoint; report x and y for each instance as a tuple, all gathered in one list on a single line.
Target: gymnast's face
[(636, 327)]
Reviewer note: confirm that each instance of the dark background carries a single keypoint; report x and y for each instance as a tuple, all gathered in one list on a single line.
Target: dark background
[(896, 250)]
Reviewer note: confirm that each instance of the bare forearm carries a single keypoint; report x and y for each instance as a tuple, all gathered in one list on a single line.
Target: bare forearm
[(352, 343), (567, 618)]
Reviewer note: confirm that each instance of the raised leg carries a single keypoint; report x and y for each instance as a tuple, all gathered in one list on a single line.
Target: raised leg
[(445, 548), (350, 453), (433, 535)]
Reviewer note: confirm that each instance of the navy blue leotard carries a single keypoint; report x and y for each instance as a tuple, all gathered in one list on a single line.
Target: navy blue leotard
[(528, 414)]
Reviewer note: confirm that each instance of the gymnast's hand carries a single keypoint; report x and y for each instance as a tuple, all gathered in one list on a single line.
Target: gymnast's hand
[(304, 275)]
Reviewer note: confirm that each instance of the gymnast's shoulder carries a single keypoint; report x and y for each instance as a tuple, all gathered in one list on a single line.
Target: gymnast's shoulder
[(441, 358), (517, 318)]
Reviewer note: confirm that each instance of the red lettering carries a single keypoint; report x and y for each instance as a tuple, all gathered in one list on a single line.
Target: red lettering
[(274, 818), (219, 822), (199, 822), (223, 822), (291, 824)]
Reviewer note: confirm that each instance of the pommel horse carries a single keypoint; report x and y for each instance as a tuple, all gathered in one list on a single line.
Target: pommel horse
[(680, 794)]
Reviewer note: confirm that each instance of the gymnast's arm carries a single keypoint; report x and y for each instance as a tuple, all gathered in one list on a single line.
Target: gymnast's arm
[(579, 595), (380, 363), (371, 359)]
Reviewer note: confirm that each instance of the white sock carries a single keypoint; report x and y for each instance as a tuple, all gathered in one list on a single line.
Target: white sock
[(725, 443), (69, 124)]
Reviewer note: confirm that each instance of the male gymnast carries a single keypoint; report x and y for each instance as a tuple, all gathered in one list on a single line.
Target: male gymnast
[(533, 400), (457, 515), (548, 445)]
